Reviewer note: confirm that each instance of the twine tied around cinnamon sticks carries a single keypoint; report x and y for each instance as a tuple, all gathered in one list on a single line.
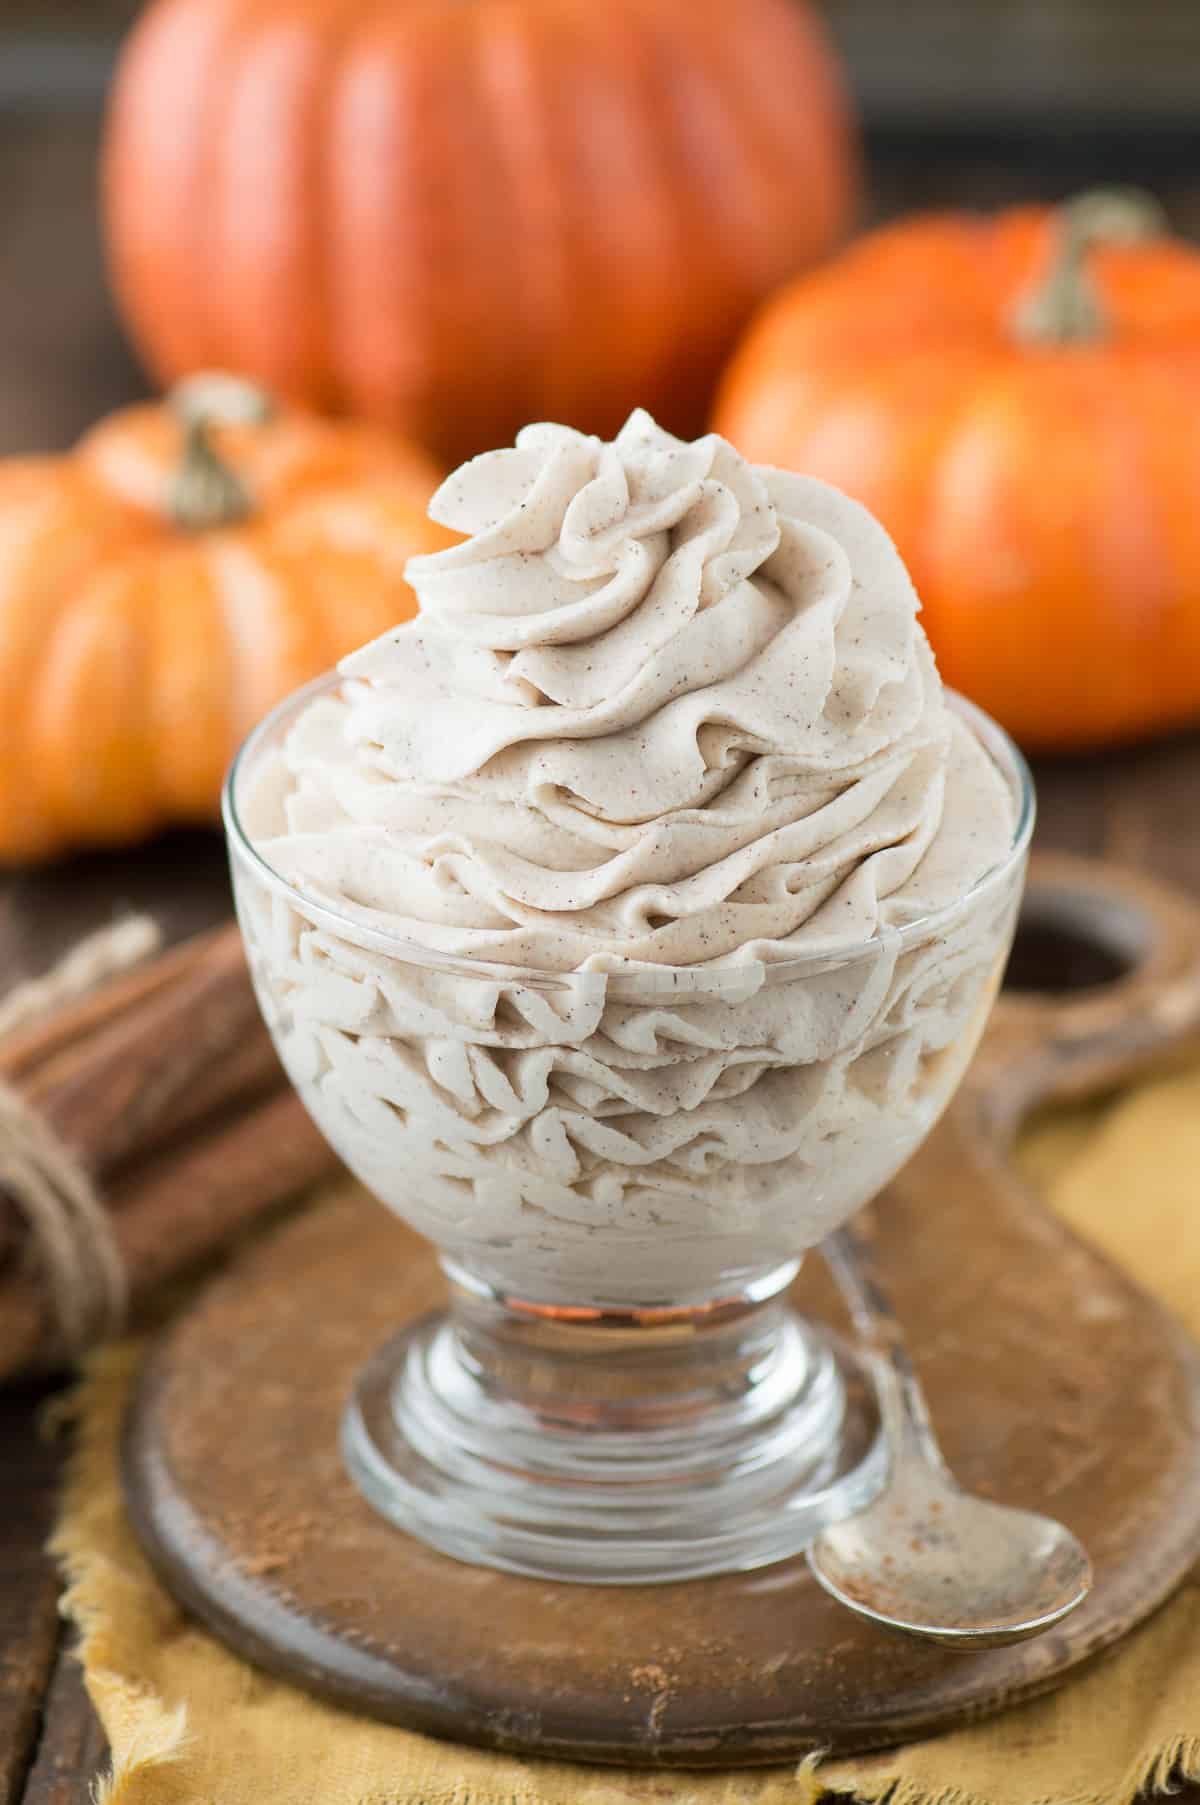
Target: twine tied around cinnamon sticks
[(145, 1123), (72, 1237)]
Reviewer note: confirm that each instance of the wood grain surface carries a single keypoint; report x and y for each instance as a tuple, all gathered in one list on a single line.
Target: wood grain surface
[(62, 363), (29, 1629), (1010, 1322)]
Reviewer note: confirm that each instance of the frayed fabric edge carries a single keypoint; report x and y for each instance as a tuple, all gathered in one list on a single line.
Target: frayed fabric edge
[(92, 1411), (159, 1741), (895, 1790), (1169, 1769), (1161, 1773)]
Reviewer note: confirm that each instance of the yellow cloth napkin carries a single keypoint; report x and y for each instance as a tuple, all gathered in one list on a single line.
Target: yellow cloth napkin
[(191, 1725)]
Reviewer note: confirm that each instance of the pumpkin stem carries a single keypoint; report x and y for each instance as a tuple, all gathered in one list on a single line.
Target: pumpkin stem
[(205, 492), (1063, 307)]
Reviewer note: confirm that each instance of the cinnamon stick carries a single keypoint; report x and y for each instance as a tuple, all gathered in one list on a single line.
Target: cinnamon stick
[(64, 1034), (183, 1205), (67, 1028), (105, 1096), (145, 1057), (176, 1207), (242, 1078)]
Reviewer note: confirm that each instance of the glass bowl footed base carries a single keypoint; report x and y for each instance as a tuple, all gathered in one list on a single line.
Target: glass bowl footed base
[(610, 1447)]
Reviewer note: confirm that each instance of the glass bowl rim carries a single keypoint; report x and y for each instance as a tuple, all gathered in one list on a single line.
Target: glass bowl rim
[(644, 975)]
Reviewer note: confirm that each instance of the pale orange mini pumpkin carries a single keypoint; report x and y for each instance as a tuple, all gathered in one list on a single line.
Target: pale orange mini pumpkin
[(1018, 399), (166, 583), (456, 216)]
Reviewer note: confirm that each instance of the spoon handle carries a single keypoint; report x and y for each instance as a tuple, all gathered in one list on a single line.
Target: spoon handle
[(850, 1256)]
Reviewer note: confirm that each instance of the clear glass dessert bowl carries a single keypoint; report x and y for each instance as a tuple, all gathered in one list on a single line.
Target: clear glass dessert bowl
[(621, 1172)]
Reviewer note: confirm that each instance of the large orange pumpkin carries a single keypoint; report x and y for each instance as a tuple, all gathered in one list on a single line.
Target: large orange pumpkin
[(1018, 399), (166, 583), (456, 216)]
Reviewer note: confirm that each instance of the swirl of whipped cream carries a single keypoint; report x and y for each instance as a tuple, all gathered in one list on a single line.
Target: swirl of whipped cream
[(659, 706)]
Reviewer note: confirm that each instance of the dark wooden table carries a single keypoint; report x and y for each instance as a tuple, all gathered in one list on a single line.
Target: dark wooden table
[(62, 362)]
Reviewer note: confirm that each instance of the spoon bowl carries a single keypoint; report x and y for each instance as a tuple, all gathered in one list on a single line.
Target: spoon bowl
[(924, 1556), (930, 1560)]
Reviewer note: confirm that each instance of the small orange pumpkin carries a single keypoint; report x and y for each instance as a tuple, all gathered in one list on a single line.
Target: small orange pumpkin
[(456, 218), (1019, 401), (166, 583)]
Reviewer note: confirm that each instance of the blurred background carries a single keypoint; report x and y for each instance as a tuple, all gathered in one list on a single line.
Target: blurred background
[(974, 103), (1063, 584), (954, 104)]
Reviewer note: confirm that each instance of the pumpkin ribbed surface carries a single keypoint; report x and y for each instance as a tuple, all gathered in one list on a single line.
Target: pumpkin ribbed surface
[(458, 217), (134, 655), (1039, 480)]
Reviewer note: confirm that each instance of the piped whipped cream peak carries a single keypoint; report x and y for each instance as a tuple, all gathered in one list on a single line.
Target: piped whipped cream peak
[(660, 705)]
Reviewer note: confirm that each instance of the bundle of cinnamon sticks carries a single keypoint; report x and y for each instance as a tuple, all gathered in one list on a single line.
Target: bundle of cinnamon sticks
[(165, 1087)]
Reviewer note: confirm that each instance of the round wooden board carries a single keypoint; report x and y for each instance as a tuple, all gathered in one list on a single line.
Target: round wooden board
[(1053, 1381)]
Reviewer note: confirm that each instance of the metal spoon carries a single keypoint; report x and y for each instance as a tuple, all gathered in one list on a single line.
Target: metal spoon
[(925, 1556)]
